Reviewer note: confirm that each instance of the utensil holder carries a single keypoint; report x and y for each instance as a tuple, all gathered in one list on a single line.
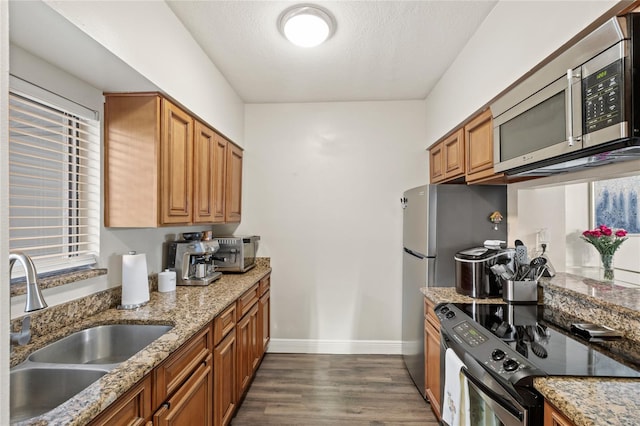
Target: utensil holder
[(520, 291)]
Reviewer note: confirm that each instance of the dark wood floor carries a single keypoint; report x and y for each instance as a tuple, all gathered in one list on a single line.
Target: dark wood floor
[(302, 389)]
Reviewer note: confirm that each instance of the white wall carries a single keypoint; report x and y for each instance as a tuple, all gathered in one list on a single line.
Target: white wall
[(152, 40), (322, 186), (514, 38)]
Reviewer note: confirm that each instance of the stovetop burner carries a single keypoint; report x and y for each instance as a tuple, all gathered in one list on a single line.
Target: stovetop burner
[(543, 338)]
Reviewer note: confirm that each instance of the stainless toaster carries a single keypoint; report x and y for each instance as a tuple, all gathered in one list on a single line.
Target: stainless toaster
[(236, 253)]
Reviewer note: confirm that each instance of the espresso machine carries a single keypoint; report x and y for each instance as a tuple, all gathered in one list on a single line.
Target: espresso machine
[(193, 261)]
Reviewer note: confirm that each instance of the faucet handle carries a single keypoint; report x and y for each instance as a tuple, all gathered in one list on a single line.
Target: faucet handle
[(23, 336)]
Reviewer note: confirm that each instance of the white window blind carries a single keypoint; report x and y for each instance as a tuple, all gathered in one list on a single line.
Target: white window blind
[(54, 184)]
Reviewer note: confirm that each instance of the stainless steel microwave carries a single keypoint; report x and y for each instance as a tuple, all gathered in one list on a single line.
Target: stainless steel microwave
[(577, 111)]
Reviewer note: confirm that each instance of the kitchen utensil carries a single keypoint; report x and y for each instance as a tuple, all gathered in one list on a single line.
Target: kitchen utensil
[(540, 272), (539, 350), (521, 346), (521, 254)]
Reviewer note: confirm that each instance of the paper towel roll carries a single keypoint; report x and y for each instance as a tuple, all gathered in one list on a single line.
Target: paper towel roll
[(166, 281), (135, 281)]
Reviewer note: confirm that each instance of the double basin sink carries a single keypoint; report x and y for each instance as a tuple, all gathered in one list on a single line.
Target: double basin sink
[(55, 373)]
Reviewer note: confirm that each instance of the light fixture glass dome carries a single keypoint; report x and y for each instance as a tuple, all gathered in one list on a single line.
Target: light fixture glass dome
[(306, 25)]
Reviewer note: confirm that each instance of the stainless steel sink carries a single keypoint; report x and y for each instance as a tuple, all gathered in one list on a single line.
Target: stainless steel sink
[(104, 344), (34, 391), (60, 370)]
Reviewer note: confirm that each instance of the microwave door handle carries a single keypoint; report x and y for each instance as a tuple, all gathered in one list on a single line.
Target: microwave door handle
[(569, 106)]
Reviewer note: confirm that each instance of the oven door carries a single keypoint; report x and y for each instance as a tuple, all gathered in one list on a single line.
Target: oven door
[(491, 404), (488, 408)]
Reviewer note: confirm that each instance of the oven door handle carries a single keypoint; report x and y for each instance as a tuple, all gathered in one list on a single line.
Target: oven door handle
[(499, 399)]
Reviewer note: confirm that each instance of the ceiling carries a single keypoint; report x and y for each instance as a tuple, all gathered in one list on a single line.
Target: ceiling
[(382, 50)]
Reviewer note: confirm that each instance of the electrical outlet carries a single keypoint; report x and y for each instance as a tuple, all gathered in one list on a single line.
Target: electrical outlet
[(542, 237)]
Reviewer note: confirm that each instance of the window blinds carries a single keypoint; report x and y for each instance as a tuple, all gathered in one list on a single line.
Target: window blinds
[(54, 185)]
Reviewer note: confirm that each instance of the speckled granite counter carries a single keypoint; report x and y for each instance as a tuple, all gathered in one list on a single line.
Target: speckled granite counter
[(595, 301), (585, 401), (449, 295), (188, 309), (593, 402)]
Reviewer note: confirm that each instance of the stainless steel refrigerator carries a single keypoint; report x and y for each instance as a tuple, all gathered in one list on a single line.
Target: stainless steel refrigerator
[(439, 221)]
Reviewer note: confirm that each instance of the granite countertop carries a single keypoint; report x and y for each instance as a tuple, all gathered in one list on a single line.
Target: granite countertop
[(593, 401), (449, 295), (585, 401), (188, 309)]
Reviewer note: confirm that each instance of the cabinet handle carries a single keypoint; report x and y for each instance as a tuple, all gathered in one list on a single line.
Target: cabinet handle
[(167, 405)]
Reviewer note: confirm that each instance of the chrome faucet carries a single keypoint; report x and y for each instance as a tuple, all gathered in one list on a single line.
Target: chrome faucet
[(34, 302)]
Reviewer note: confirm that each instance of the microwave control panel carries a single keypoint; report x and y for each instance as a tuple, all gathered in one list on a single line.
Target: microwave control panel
[(602, 94)]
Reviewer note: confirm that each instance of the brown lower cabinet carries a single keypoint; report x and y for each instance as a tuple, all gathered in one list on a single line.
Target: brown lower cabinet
[(200, 383), (432, 357), (191, 403), (553, 417)]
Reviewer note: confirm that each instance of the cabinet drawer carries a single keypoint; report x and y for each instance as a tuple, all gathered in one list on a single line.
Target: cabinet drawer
[(224, 323), (131, 409), (265, 284), (246, 301), (178, 367)]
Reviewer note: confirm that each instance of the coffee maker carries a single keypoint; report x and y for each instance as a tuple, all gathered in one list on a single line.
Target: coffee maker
[(193, 261)]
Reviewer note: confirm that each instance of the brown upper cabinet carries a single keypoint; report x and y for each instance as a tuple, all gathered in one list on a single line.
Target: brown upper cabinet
[(163, 166), (446, 159), (466, 153)]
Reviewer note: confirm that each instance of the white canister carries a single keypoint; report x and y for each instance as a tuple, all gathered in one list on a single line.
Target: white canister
[(166, 281)]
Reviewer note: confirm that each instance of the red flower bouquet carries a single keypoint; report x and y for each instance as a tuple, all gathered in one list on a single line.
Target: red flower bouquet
[(606, 241)]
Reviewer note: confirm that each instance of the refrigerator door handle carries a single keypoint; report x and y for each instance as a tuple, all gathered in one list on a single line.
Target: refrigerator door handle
[(418, 255)]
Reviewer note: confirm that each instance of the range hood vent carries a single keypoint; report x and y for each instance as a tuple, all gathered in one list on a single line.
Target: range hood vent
[(609, 153)]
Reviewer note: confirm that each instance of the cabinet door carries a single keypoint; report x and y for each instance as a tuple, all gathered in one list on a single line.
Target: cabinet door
[(204, 174), (436, 163), (191, 404), (432, 370), (131, 409), (479, 146), (453, 148), (264, 321), (176, 185), (233, 193), (219, 178), (224, 380), (246, 334), (256, 339)]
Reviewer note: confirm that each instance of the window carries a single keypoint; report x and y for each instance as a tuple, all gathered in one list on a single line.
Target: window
[(54, 180)]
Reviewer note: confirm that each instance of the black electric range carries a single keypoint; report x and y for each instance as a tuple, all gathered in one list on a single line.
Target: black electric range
[(544, 338), (505, 346)]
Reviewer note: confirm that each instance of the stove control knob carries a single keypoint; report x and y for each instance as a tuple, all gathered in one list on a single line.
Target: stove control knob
[(444, 309), (498, 355), (510, 365), (450, 314)]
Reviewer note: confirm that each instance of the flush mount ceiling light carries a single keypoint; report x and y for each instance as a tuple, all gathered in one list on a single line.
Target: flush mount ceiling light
[(306, 25)]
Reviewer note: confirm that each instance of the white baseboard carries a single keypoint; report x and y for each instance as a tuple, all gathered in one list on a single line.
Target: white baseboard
[(359, 347)]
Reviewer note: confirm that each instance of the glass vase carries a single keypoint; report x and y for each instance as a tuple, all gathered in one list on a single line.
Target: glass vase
[(607, 267)]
